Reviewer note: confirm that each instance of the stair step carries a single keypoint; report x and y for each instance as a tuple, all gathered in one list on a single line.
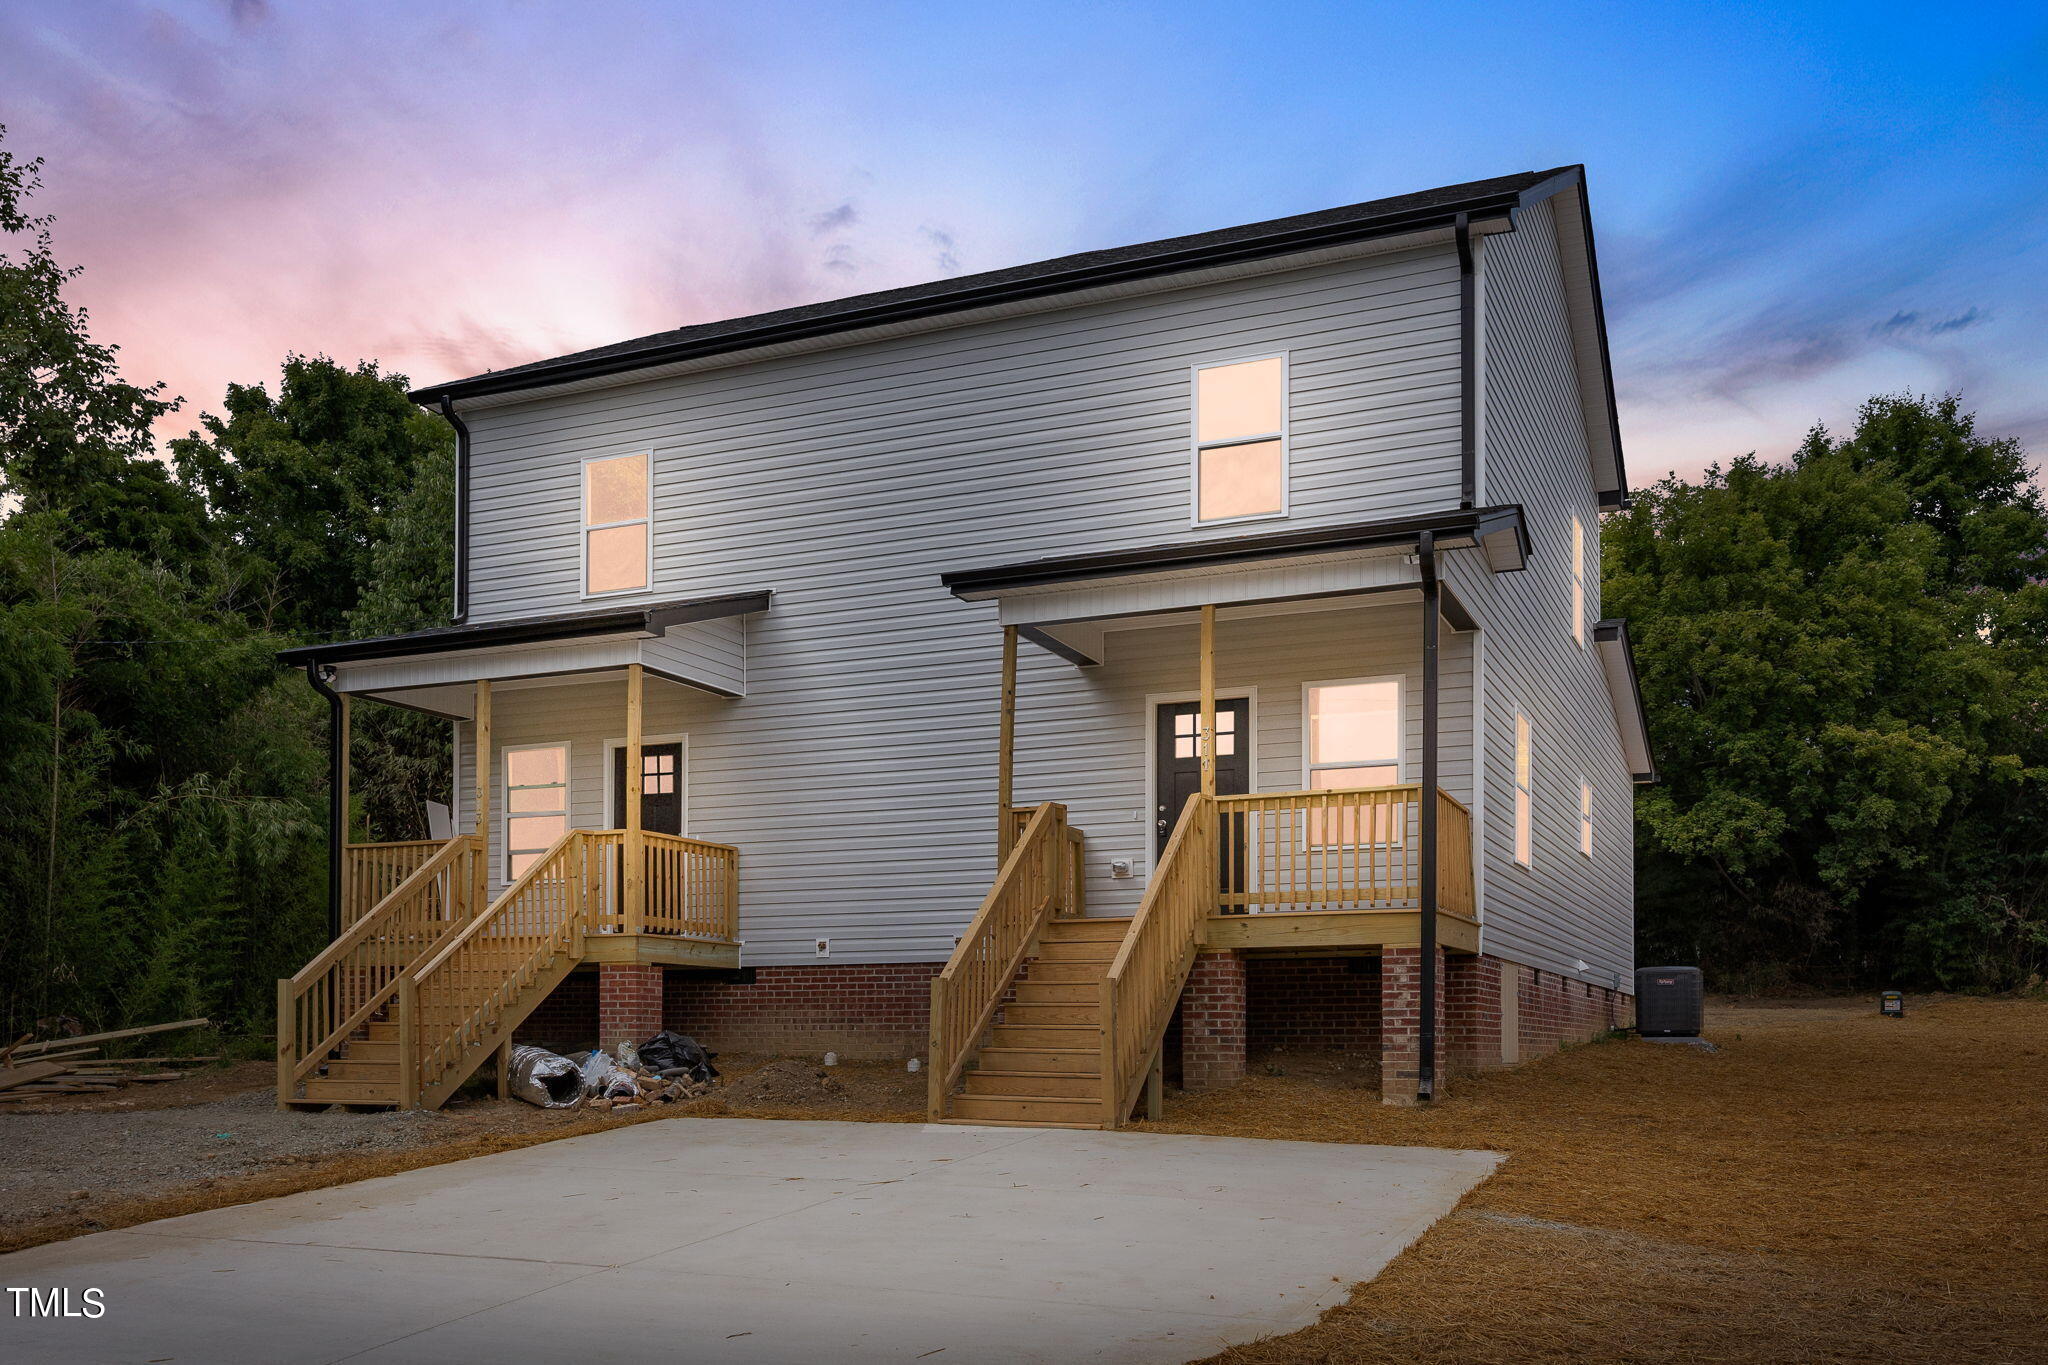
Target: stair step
[(1031, 992), (352, 1068), (1046, 1035), (1015, 1123), (1034, 1083), (1036, 1012), (372, 1050), (381, 1031), (1078, 950), (1071, 1061), (1051, 972), (350, 1092), (1028, 1108), (1085, 929)]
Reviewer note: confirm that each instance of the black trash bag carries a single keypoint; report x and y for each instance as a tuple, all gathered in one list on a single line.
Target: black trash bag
[(670, 1054)]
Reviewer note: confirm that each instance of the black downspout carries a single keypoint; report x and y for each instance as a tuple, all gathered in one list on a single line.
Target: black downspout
[(337, 829), (461, 509), (1468, 367), (1432, 593)]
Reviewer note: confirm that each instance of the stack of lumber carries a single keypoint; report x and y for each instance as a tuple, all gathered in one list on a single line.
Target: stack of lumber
[(68, 1066)]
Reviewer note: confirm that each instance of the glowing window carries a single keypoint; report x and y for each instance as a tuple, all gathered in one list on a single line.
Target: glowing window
[(1585, 817), (617, 530), (536, 803), (1241, 440), (1578, 579), (1353, 740)]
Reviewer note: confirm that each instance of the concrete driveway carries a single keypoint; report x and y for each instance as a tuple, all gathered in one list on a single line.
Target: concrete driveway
[(764, 1242)]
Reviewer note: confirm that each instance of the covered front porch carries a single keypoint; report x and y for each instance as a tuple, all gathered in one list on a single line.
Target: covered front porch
[(441, 947)]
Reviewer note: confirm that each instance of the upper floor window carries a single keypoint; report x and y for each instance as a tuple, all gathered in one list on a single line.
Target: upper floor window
[(618, 540), (1578, 579), (1241, 440), (1586, 817), (1525, 814)]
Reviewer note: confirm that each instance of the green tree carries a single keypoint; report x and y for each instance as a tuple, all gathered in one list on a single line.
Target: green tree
[(305, 484), (1843, 660)]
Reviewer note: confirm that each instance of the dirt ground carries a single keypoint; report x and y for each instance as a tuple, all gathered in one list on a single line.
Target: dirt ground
[(1832, 1186), (1829, 1186), (82, 1163)]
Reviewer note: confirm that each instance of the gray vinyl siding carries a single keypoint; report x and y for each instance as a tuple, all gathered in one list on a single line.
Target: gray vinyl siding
[(865, 812), (857, 475), (1563, 909)]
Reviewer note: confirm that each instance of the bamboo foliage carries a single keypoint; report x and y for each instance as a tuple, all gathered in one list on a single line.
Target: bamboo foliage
[(1035, 880), (1145, 978), (357, 975)]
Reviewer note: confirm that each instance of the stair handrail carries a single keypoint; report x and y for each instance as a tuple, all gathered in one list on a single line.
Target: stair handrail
[(1031, 884), (448, 1001), (1158, 950), (349, 980)]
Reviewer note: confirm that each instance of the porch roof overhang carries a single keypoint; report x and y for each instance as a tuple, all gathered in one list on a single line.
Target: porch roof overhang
[(1618, 662), (1065, 604), (695, 642)]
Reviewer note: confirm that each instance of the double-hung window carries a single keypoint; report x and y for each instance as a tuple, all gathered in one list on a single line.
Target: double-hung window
[(1525, 838), (1578, 579), (1241, 440), (1586, 817), (1353, 740), (618, 540), (536, 803)]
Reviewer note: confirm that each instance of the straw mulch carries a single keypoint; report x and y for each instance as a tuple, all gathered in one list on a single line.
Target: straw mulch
[(1833, 1186)]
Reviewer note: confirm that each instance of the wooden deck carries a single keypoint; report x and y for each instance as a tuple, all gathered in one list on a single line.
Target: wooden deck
[(1326, 929)]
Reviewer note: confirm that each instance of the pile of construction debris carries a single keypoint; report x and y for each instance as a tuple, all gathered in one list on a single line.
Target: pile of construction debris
[(666, 1068), (71, 1066)]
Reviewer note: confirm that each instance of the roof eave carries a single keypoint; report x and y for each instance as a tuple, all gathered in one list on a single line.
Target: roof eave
[(648, 619)]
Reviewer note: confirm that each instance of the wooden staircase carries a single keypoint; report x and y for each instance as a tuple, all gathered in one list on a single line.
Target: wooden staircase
[(1042, 1065), (365, 1072)]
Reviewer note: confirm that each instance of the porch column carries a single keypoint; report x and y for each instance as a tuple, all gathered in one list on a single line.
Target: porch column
[(481, 760), (1006, 742), (1208, 721), (1212, 1022), (1429, 983), (635, 855), (629, 1001)]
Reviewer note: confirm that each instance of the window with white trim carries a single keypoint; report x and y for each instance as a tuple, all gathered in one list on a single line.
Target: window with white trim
[(1586, 817), (1353, 739), (536, 803), (1241, 440), (618, 537), (1578, 579), (1524, 798)]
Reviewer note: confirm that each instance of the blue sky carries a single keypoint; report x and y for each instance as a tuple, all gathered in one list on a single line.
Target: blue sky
[(1797, 206)]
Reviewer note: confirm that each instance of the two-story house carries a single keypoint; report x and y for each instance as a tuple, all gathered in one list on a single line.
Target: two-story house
[(1064, 675)]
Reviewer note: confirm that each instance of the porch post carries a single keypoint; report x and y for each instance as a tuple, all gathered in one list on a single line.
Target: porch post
[(636, 862), (1006, 743), (1432, 606), (1208, 723), (481, 761)]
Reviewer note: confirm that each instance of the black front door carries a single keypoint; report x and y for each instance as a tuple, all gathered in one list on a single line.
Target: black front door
[(1179, 758), (661, 787)]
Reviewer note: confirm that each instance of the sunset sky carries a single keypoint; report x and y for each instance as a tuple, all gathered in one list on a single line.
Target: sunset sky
[(1798, 205)]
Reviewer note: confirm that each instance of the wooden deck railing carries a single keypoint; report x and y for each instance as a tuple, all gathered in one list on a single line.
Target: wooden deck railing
[(370, 872), (1350, 849), (693, 887), (1145, 978), (450, 1005), (357, 975), (1034, 883)]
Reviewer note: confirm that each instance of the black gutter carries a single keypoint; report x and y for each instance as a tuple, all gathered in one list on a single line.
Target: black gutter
[(646, 619), (1468, 368), (461, 508), (1463, 523), (337, 818), (1425, 904), (982, 296)]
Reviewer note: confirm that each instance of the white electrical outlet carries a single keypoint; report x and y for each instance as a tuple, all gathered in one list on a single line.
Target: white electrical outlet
[(824, 947)]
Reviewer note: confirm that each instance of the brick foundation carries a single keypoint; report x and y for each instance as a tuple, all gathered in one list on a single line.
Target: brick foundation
[(1553, 1010), (629, 1000), (1212, 1016), (880, 1010), (1320, 1002), (1472, 1039), (1401, 1022), (567, 1019)]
